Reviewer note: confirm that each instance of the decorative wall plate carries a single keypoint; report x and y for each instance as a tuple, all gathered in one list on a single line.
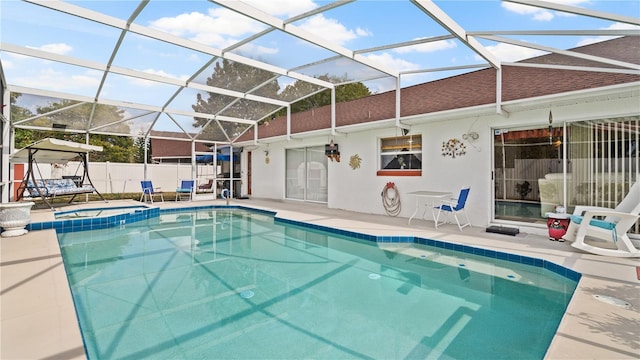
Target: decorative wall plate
[(355, 161), (453, 148)]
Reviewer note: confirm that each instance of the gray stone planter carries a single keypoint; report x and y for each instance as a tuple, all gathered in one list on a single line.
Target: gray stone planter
[(14, 217)]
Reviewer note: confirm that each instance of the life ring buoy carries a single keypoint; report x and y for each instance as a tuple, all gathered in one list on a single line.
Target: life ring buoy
[(225, 193), (391, 199)]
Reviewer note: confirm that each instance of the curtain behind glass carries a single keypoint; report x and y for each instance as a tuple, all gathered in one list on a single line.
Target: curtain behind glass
[(296, 174), (316, 174), (306, 174)]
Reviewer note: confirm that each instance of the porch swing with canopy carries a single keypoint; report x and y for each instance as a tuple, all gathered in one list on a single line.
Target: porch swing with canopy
[(54, 151)]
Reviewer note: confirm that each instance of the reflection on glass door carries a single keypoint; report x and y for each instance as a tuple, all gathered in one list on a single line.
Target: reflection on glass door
[(532, 176), (306, 174), (522, 157)]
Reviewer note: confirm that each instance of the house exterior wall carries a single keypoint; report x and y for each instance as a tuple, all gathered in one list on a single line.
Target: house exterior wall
[(360, 189)]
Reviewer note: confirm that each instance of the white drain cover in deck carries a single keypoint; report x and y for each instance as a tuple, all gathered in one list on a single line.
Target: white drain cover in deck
[(613, 301)]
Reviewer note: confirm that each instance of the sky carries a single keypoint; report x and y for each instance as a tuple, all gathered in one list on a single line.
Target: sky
[(355, 26)]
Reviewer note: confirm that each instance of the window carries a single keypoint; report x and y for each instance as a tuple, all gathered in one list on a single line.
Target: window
[(401, 156)]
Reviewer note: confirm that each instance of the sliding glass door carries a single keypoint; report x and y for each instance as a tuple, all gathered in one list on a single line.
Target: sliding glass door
[(582, 163), (306, 174), (522, 157)]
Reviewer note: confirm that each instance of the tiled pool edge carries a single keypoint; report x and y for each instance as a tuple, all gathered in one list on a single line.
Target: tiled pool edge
[(520, 259), (71, 225)]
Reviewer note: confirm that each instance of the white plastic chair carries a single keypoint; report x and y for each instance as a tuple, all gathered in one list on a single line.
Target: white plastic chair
[(606, 226)]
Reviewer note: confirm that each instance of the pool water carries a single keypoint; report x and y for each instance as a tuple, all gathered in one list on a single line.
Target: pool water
[(98, 212), (236, 284), (517, 210)]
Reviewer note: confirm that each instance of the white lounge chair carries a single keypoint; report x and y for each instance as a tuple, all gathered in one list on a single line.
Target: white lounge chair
[(598, 224), (615, 232)]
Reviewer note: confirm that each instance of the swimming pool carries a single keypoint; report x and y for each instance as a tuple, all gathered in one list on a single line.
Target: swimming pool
[(97, 212), (233, 283)]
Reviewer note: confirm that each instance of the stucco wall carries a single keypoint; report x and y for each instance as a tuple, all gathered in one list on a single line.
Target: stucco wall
[(360, 190)]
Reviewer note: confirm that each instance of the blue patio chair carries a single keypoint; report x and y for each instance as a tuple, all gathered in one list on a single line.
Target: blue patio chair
[(185, 190), (454, 207), (148, 191)]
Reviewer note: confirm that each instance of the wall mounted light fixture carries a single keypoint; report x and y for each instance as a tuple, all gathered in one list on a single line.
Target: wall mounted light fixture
[(331, 151)]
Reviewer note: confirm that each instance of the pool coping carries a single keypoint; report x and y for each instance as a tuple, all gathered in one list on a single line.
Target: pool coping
[(103, 222)]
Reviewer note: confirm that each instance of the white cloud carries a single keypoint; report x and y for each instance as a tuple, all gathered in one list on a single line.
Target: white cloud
[(216, 28), (251, 50), (285, 8), (57, 48), (331, 29), (540, 14), (149, 83), (59, 81), (511, 53), (615, 26), (391, 62), (363, 32), (8, 64), (427, 47)]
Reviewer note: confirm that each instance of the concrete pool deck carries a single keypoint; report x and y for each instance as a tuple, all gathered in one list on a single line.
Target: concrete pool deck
[(38, 319)]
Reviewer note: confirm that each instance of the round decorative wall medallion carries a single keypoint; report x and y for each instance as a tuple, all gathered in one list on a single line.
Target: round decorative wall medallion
[(355, 161)]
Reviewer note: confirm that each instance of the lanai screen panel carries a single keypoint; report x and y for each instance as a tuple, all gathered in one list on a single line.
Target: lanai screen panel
[(128, 122), (37, 27), (281, 49), (44, 112), (157, 55)]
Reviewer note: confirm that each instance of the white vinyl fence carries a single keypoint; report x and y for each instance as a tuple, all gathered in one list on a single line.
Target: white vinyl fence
[(116, 178)]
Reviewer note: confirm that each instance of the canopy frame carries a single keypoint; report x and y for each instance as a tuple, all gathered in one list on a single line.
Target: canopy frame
[(54, 151)]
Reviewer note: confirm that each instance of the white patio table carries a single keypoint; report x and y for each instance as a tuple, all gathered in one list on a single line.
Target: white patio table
[(428, 199)]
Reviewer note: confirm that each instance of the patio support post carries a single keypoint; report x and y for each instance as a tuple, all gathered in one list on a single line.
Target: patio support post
[(146, 147), (215, 171), (193, 162), (564, 167), (232, 171), (288, 123), (499, 91), (333, 110), (255, 133), (6, 151), (398, 110)]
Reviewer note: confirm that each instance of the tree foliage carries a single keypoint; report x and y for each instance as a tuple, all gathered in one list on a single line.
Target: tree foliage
[(346, 92), (115, 148), (238, 77), (242, 78), (139, 145)]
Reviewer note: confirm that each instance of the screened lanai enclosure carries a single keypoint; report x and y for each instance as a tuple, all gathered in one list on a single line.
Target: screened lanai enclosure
[(219, 73)]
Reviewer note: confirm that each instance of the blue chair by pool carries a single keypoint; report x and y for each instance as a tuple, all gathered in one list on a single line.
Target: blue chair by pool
[(185, 190), (454, 207), (148, 191)]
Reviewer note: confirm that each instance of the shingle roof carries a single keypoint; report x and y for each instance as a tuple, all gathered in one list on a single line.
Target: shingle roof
[(165, 148), (471, 89)]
